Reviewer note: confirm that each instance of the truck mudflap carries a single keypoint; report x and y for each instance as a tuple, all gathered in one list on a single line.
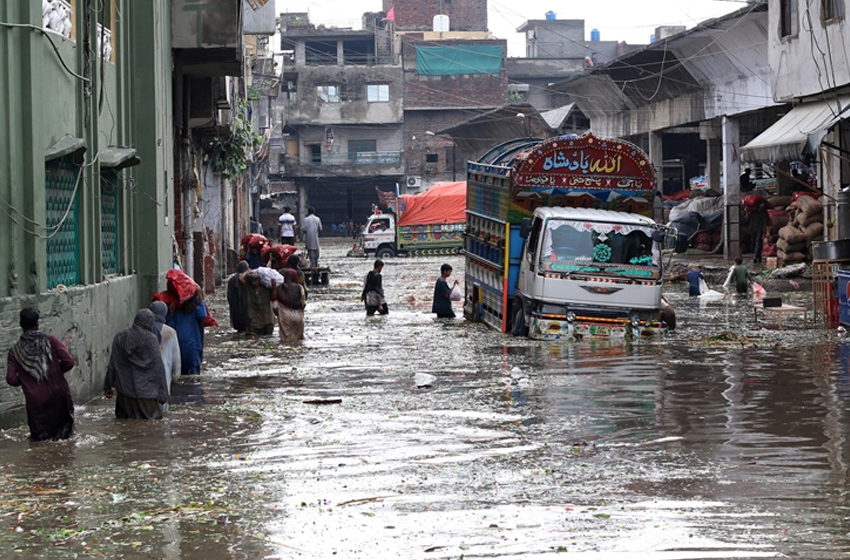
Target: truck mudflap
[(547, 327)]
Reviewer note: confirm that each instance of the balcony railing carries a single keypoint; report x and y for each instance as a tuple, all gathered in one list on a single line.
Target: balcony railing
[(325, 59), (360, 158)]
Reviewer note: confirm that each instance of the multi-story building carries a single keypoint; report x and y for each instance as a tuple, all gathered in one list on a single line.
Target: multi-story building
[(453, 71), (556, 49), (90, 156), (361, 107), (342, 133)]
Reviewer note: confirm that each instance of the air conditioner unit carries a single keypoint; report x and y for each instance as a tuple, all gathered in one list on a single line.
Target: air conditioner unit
[(415, 181)]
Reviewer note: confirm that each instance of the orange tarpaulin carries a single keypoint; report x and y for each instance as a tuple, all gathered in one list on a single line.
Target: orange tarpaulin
[(444, 203)]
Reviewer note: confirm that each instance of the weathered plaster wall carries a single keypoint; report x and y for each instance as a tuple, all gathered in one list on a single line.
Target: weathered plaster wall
[(813, 59), (85, 318), (353, 106)]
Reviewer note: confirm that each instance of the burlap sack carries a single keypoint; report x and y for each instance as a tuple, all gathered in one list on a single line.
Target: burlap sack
[(792, 235)]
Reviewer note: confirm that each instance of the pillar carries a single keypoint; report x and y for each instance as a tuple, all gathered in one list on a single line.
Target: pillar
[(830, 162), (656, 159), (732, 189)]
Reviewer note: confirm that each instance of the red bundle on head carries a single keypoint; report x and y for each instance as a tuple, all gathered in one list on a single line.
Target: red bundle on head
[(181, 285)]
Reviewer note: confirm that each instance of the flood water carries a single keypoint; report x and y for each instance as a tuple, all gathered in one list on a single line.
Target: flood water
[(720, 440)]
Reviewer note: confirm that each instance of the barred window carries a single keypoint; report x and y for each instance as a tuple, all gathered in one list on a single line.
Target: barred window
[(109, 246), (62, 220)]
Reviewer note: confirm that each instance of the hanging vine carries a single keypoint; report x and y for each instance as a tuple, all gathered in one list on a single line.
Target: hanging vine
[(232, 157)]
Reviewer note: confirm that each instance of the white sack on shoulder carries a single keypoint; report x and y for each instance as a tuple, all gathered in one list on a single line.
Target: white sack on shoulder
[(267, 274)]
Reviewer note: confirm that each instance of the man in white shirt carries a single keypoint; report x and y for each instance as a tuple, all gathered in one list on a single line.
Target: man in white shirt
[(287, 227), (311, 228)]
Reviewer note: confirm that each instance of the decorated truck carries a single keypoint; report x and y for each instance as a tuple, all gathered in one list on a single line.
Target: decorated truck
[(428, 223), (559, 241)]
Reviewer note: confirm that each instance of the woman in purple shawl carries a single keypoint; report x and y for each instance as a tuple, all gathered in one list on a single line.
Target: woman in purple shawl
[(37, 363)]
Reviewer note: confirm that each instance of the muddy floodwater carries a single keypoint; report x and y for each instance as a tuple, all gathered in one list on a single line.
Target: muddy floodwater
[(724, 439)]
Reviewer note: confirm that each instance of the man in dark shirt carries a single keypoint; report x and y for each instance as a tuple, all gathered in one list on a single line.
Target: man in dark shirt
[(746, 183)]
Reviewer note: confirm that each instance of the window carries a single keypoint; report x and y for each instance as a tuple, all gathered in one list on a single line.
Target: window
[(377, 93), (379, 224), (60, 190), (832, 10), (360, 147), (788, 18), (610, 249), (431, 158), (109, 246), (315, 153), (328, 94)]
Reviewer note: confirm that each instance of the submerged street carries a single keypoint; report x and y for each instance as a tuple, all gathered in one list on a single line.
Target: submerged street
[(719, 440)]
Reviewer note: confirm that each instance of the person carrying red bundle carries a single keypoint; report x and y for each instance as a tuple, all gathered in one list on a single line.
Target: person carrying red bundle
[(188, 315)]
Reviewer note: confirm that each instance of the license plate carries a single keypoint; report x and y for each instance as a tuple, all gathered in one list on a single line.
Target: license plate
[(600, 330)]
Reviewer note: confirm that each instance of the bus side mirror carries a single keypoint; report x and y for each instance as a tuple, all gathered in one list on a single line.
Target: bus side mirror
[(524, 227), (658, 236)]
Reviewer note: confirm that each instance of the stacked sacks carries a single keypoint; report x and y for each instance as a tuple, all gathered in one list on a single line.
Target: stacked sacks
[(805, 225), (778, 219)]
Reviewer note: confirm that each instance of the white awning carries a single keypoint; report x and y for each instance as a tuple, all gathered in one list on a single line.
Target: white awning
[(804, 125)]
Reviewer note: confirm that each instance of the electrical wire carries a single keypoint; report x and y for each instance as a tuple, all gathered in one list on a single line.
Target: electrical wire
[(52, 44)]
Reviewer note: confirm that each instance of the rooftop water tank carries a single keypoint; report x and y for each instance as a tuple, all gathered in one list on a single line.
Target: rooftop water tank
[(441, 23), (551, 15), (594, 35), (652, 38)]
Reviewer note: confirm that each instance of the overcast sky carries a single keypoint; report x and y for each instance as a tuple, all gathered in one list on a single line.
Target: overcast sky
[(632, 21)]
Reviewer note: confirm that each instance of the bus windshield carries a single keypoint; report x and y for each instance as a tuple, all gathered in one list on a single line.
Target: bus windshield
[(613, 249)]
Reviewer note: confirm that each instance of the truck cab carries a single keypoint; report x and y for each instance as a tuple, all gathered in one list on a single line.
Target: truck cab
[(379, 236), (588, 272)]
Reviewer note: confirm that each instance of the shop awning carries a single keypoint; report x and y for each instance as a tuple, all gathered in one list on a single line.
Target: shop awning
[(118, 158), (804, 126)]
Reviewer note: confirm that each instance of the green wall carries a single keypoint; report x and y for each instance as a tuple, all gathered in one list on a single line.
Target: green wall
[(124, 102)]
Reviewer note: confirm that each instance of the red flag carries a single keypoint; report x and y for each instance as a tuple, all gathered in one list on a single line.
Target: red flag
[(390, 15)]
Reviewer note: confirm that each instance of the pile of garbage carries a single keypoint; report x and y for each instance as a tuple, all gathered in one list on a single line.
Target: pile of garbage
[(698, 223)]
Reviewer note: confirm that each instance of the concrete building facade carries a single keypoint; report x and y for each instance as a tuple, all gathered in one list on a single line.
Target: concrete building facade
[(341, 108), (86, 160)]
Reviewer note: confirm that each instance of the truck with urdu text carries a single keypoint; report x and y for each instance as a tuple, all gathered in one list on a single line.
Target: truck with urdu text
[(428, 223), (559, 241)]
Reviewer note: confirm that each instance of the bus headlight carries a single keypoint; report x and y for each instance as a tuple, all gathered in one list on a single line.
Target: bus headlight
[(571, 316), (634, 319)]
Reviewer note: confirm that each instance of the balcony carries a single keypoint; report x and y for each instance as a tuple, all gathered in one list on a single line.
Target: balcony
[(356, 59), (207, 37), (356, 164)]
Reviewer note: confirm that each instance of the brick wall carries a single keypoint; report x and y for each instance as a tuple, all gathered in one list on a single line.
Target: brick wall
[(464, 15), (418, 144), (445, 92)]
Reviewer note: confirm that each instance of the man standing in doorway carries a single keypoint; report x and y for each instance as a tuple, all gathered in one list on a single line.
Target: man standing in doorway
[(312, 227), (287, 227)]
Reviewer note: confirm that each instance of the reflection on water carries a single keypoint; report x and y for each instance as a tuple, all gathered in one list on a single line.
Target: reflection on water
[(700, 444)]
